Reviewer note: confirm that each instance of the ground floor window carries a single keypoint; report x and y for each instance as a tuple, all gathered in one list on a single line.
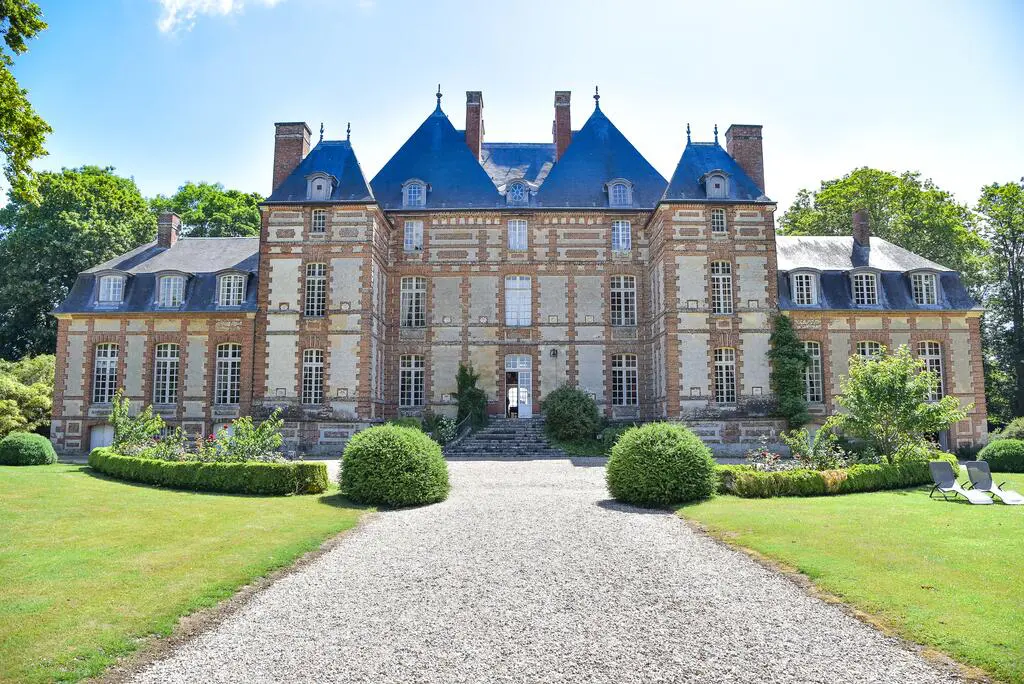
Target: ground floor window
[(165, 374), (725, 375), (104, 374), (813, 386), (869, 348), (410, 381), (624, 380), (228, 374)]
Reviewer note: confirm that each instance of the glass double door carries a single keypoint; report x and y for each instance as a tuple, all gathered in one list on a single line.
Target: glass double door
[(518, 386)]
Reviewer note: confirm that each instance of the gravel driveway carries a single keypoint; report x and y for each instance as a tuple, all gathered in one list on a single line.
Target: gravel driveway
[(529, 574)]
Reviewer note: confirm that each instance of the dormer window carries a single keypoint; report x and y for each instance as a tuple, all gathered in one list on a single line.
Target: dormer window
[(111, 289), (231, 289), (923, 288), (414, 193), (170, 290), (517, 194), (865, 289), (805, 289), (319, 186), (716, 185), (620, 194)]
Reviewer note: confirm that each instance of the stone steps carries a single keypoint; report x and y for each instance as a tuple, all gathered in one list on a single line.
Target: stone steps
[(506, 438)]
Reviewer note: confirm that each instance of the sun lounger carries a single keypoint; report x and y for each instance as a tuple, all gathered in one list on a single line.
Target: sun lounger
[(945, 482), (981, 479)]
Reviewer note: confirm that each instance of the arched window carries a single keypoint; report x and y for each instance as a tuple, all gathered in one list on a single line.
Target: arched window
[(111, 290), (623, 291), (620, 195), (725, 375), (805, 289), (104, 373), (517, 194), (313, 376), (813, 385), (228, 374), (865, 289), (869, 349), (625, 379), (231, 289), (165, 374), (721, 287), (316, 290), (930, 353), (518, 304), (923, 288), (170, 291), (414, 194)]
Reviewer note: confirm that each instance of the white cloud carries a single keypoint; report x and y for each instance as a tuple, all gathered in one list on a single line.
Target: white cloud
[(183, 13)]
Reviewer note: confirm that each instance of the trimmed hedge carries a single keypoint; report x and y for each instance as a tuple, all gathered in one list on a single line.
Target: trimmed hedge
[(268, 479), (746, 482), (660, 464), (394, 466), (1005, 455), (26, 448)]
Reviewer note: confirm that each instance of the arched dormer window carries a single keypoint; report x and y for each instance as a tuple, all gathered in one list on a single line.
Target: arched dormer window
[(518, 194), (804, 288), (231, 288), (110, 288), (924, 288), (170, 290), (716, 184), (320, 186), (620, 193), (865, 288), (414, 193)]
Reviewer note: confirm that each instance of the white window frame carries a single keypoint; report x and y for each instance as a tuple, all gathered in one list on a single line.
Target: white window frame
[(623, 300), (518, 235), (111, 289), (721, 288), (411, 379), (924, 288), (227, 384), (414, 194), (620, 194), (312, 377), (814, 387), (170, 291), (625, 380), (725, 375), (412, 239), (869, 349), (318, 222), (622, 236), (805, 289), (413, 302), (231, 289), (719, 225), (315, 305), (518, 301), (930, 353), (865, 289), (166, 367), (104, 372)]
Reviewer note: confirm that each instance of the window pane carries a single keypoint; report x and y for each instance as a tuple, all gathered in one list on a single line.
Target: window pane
[(718, 221), (413, 236), (930, 354), (413, 302), (865, 292), (622, 238), (313, 376), (104, 373), (924, 288), (410, 381), (812, 374), (869, 348), (316, 290), (804, 291), (517, 235), (518, 304), (231, 290), (725, 376), (623, 300), (111, 289), (228, 374), (319, 223), (171, 291), (165, 374), (721, 287), (624, 380)]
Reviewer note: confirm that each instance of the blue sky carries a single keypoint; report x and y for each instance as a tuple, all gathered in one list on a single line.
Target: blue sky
[(168, 91)]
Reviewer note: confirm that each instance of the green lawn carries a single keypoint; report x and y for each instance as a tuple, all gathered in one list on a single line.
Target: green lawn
[(946, 575), (88, 565)]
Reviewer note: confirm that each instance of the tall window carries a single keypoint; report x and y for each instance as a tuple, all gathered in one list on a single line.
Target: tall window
[(865, 289), (111, 289), (718, 226), (410, 381), (413, 236), (165, 374), (622, 236), (319, 221), (231, 289), (104, 374), (415, 195), (618, 195), (923, 285), (517, 235), (414, 302), (316, 289), (930, 354), (869, 348), (725, 375), (624, 380), (518, 300), (228, 374), (313, 376), (721, 287), (805, 291), (813, 384), (623, 300), (170, 291)]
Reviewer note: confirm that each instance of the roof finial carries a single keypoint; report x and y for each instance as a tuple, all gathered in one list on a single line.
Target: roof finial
[(597, 99), (439, 95), (348, 131), (716, 134), (321, 131), (687, 132)]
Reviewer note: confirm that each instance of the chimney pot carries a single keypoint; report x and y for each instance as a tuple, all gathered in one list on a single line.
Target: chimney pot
[(561, 129), (862, 228), (168, 225), (291, 145), (743, 143), (475, 121)]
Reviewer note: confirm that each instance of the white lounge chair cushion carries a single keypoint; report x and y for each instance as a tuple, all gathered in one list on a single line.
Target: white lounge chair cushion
[(975, 497), (1008, 496)]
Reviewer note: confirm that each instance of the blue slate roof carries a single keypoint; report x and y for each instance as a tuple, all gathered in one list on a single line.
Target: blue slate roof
[(505, 162), (335, 158), (598, 153), (202, 259), (698, 159), (438, 155)]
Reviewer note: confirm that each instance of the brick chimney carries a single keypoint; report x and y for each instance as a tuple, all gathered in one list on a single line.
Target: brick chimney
[(167, 227), (861, 228), (743, 143), (561, 129), (291, 145), (475, 121)]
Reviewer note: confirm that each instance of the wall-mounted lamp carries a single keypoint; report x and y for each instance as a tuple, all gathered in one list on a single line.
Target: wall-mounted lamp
[(553, 353)]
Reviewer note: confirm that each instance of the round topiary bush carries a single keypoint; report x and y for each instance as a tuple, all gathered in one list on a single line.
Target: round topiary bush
[(394, 466), (660, 464), (1004, 455), (26, 448), (570, 414)]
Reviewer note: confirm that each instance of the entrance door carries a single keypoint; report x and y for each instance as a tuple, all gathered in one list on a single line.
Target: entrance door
[(518, 386), (101, 436)]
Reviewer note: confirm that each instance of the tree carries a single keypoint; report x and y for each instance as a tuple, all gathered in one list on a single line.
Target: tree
[(22, 131), (789, 363), (886, 399), (472, 400), (83, 217), (26, 393), (905, 210), (208, 210), (1001, 208)]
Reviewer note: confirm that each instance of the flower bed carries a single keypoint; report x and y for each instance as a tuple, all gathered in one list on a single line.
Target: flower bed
[(269, 479)]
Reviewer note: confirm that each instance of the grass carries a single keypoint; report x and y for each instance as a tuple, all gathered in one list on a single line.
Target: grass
[(89, 565), (945, 575), (583, 447)]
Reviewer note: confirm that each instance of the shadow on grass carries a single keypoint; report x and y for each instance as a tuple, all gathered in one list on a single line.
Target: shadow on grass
[(337, 500), (619, 507)]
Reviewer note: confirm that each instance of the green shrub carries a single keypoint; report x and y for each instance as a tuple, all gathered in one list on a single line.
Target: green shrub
[(393, 466), (570, 414), (1013, 430), (407, 422), (1003, 455), (660, 464), (275, 479), (26, 448)]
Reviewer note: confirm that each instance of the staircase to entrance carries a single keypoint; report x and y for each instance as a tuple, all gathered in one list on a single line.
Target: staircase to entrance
[(506, 438)]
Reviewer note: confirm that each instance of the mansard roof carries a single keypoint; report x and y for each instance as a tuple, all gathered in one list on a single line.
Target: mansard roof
[(505, 162), (700, 158), (201, 259), (837, 253), (437, 154), (598, 153), (334, 158)]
